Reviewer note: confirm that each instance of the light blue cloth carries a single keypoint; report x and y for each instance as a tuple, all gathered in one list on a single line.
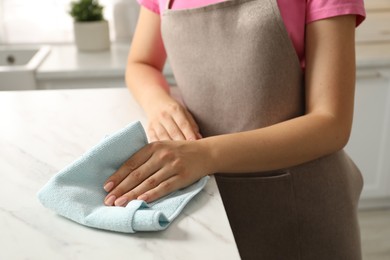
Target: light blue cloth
[(77, 193)]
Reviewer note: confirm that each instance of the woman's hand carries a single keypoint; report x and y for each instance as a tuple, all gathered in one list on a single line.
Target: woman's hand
[(156, 170), (169, 120)]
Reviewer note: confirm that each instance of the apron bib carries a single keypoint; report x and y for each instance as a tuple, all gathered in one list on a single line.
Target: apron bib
[(237, 70)]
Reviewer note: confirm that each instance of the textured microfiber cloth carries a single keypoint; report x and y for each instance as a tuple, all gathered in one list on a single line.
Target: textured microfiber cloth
[(77, 193)]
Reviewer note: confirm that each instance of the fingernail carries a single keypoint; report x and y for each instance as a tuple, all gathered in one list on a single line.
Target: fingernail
[(120, 202), (108, 186), (142, 197), (110, 200)]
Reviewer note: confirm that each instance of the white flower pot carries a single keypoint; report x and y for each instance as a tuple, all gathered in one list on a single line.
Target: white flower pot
[(92, 36)]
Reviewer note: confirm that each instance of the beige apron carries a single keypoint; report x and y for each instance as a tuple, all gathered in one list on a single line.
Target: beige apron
[(237, 70)]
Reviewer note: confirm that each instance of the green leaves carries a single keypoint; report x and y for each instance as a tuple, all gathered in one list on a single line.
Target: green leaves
[(86, 11)]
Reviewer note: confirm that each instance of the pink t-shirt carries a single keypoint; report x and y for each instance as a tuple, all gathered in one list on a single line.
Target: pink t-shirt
[(295, 13)]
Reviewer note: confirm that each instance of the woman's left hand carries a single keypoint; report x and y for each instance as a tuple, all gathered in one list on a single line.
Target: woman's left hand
[(156, 170)]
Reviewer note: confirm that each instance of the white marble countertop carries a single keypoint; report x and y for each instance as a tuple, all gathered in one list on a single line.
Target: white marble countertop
[(43, 131)]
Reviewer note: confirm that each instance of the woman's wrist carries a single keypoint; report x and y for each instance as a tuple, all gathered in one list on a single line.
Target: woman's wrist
[(206, 149), (153, 102)]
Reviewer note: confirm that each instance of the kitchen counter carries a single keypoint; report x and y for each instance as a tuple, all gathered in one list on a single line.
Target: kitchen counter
[(66, 62), (42, 132), (65, 67)]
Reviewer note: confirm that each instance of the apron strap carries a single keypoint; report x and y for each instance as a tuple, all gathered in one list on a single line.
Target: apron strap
[(169, 4)]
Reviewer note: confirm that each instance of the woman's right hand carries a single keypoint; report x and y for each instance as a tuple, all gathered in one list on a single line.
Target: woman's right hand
[(169, 120)]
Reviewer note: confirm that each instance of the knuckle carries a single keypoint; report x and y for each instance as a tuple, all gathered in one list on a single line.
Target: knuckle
[(175, 134), (137, 175), (165, 186), (130, 165), (151, 181), (131, 195), (165, 114), (165, 155), (184, 124), (173, 107)]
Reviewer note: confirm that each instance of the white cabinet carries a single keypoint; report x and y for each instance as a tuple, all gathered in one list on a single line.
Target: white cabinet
[(369, 145)]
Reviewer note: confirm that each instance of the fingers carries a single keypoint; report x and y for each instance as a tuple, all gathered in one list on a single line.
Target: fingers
[(158, 132), (131, 182), (174, 123), (194, 125), (149, 191), (146, 186), (163, 189), (186, 124), (132, 165), (138, 159), (172, 130), (154, 171), (143, 179)]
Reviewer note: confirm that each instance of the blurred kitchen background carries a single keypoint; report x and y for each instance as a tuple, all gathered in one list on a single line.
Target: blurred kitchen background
[(37, 52), (37, 49)]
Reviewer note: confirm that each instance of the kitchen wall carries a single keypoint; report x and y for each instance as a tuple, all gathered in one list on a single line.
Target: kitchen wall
[(51, 23)]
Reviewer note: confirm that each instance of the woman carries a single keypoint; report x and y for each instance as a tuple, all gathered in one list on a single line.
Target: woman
[(268, 88)]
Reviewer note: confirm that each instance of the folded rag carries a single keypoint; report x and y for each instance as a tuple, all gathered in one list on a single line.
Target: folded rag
[(76, 192)]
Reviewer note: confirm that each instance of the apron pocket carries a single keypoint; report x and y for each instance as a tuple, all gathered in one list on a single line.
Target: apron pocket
[(262, 214)]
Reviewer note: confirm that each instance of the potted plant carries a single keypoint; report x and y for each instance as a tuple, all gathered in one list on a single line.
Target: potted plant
[(90, 29)]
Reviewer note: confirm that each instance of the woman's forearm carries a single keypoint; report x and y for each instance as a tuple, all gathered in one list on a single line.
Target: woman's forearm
[(147, 84), (278, 146), (146, 60)]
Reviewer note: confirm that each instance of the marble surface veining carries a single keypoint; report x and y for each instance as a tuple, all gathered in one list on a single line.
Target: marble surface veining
[(43, 131)]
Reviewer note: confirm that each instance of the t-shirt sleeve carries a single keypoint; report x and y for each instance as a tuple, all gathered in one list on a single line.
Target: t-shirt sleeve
[(322, 9), (151, 5)]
